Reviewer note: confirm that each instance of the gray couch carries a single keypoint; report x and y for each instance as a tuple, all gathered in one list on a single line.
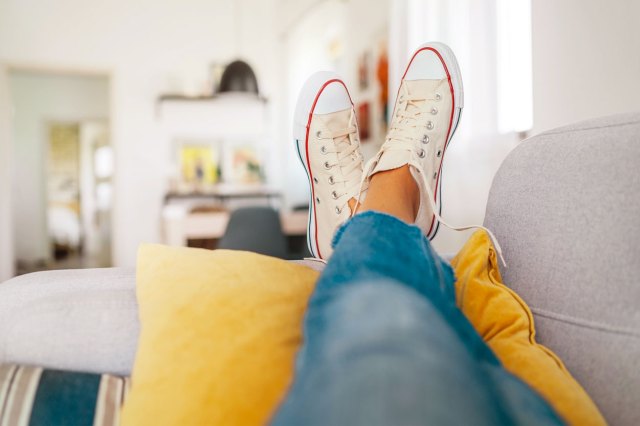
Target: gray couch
[(565, 205)]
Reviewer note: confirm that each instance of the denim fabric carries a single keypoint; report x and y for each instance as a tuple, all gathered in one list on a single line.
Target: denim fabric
[(385, 343)]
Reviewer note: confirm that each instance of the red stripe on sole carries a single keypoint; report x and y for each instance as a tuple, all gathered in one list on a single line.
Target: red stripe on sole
[(306, 145)]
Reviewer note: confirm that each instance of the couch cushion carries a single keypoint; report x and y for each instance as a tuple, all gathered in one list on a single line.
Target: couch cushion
[(81, 320), (565, 207), (506, 324)]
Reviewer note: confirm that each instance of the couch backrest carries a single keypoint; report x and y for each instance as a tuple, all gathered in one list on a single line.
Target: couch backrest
[(565, 206)]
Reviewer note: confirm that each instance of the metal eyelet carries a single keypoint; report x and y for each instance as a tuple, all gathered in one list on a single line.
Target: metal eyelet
[(327, 165), (334, 194), (331, 180), (323, 149), (438, 97), (439, 153), (421, 153), (338, 210), (425, 139), (434, 111), (315, 180), (430, 125)]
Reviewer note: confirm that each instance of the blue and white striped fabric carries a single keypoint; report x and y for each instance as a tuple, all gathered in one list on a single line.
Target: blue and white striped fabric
[(36, 396)]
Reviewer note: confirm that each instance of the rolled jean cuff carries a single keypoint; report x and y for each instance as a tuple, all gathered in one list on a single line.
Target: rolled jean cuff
[(373, 218)]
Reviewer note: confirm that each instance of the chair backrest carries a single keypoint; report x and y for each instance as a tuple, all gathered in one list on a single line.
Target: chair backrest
[(565, 206), (255, 229)]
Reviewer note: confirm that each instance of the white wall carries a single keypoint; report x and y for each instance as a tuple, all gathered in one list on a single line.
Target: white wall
[(147, 47), (6, 236), (38, 100), (586, 60)]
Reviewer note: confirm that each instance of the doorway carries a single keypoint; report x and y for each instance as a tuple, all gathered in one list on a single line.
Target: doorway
[(62, 193)]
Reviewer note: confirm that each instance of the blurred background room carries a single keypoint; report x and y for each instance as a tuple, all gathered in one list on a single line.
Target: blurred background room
[(124, 122)]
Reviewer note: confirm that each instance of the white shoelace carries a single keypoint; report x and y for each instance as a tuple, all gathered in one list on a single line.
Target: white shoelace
[(399, 138), (414, 107), (349, 160)]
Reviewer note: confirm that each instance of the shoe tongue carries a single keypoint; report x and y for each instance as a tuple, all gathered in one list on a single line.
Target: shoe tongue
[(389, 161), (423, 88), (421, 91), (336, 120)]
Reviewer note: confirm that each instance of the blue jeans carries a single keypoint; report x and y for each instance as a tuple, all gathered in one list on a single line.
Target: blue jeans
[(385, 343)]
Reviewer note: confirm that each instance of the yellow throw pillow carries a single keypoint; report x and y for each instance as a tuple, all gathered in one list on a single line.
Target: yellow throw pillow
[(506, 324), (220, 330), (219, 334)]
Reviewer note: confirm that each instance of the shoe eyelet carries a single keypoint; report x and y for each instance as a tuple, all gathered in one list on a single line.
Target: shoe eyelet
[(421, 153), (425, 139), (319, 134), (338, 210), (334, 194), (434, 111), (317, 200), (435, 175), (430, 125), (315, 180), (323, 149), (439, 153), (438, 97), (327, 165), (331, 180)]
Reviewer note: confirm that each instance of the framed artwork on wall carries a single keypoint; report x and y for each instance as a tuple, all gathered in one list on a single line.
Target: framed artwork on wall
[(198, 163)]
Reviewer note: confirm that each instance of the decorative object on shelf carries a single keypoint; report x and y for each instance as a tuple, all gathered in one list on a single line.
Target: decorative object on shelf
[(238, 76)]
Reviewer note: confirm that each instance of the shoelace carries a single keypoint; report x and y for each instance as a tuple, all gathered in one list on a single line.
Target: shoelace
[(414, 107), (398, 139), (348, 159), (397, 134)]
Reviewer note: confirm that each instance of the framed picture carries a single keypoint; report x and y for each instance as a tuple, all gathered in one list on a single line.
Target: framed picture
[(243, 165), (372, 94), (364, 121), (199, 162), (364, 72)]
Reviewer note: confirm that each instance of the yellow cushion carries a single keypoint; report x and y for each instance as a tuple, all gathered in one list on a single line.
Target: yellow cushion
[(220, 330), (219, 336), (505, 322)]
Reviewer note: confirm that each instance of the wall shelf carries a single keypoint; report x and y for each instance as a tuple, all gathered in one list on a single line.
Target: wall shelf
[(229, 115)]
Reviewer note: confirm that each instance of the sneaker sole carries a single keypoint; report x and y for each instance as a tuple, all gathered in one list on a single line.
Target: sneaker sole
[(305, 106), (452, 69)]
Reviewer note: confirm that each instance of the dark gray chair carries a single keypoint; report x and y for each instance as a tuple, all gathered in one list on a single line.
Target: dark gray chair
[(255, 229)]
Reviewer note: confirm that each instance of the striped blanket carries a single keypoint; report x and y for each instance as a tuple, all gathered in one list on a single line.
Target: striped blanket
[(37, 396)]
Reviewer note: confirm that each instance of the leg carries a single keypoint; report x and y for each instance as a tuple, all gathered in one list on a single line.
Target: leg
[(385, 344), (384, 341)]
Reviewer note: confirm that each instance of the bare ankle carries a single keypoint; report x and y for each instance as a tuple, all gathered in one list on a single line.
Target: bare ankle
[(394, 192)]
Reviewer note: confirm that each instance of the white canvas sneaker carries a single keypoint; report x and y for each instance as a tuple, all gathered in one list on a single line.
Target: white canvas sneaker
[(327, 141), (425, 117)]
